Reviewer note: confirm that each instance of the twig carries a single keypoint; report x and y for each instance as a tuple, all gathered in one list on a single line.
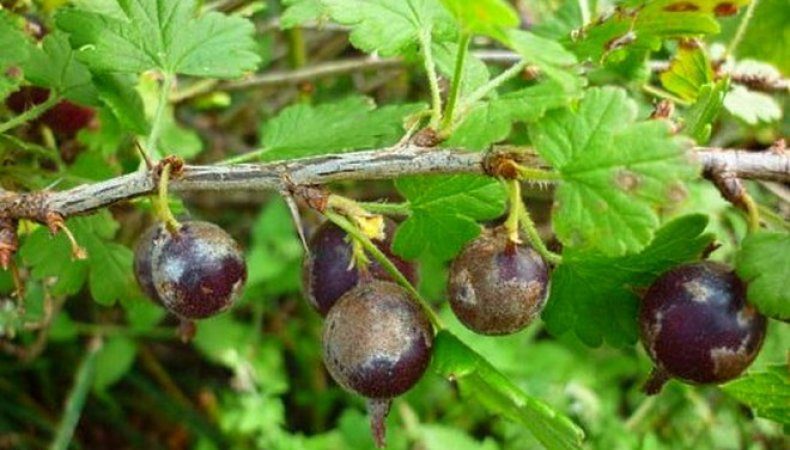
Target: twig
[(373, 63), (365, 165), (30, 114)]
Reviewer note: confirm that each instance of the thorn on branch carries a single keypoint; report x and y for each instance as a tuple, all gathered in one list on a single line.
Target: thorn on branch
[(9, 241)]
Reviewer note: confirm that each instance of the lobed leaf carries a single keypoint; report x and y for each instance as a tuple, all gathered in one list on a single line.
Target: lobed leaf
[(15, 52), (349, 124), (767, 392), (688, 72), (140, 35), (444, 213), (390, 27), (486, 17), (54, 66), (764, 265), (615, 171)]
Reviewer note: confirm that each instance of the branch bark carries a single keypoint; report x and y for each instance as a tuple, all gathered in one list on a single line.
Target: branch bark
[(365, 165)]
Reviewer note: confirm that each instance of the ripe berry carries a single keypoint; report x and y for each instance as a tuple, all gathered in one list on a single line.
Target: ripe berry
[(198, 271), (377, 341), (497, 287), (143, 252), (327, 272), (65, 118), (696, 325)]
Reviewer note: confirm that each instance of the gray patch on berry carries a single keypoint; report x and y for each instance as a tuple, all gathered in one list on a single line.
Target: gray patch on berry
[(497, 287), (376, 340), (697, 290)]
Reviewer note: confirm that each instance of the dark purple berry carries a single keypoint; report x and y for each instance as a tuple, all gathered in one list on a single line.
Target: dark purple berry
[(497, 287), (198, 271), (697, 325), (142, 260), (377, 341), (327, 272)]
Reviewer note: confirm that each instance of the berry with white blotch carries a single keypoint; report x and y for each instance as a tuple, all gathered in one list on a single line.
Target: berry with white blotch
[(496, 286), (197, 271), (697, 325), (377, 343), (328, 271)]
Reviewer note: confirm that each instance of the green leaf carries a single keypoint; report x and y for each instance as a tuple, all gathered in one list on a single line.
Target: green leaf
[(164, 35), (478, 378), (752, 107), (764, 265), (15, 52), (50, 256), (274, 258), (491, 121), (548, 55), (615, 171), (349, 124), (698, 119), (767, 35), (486, 17), (301, 11), (586, 284), (54, 66), (442, 437), (768, 393), (113, 361), (644, 25), (108, 268), (118, 93), (688, 71), (389, 27), (444, 213)]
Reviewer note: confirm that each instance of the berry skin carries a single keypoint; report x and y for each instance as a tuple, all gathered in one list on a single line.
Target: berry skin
[(697, 325), (497, 287), (327, 272), (143, 252), (377, 342), (199, 271)]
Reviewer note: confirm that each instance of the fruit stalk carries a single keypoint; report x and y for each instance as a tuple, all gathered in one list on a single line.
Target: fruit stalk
[(385, 262)]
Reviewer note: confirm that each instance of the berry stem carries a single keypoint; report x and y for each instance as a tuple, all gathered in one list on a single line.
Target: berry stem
[(528, 226), (392, 209), (752, 212), (385, 262), (536, 174), (512, 221), (378, 410), (658, 378), (161, 205)]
